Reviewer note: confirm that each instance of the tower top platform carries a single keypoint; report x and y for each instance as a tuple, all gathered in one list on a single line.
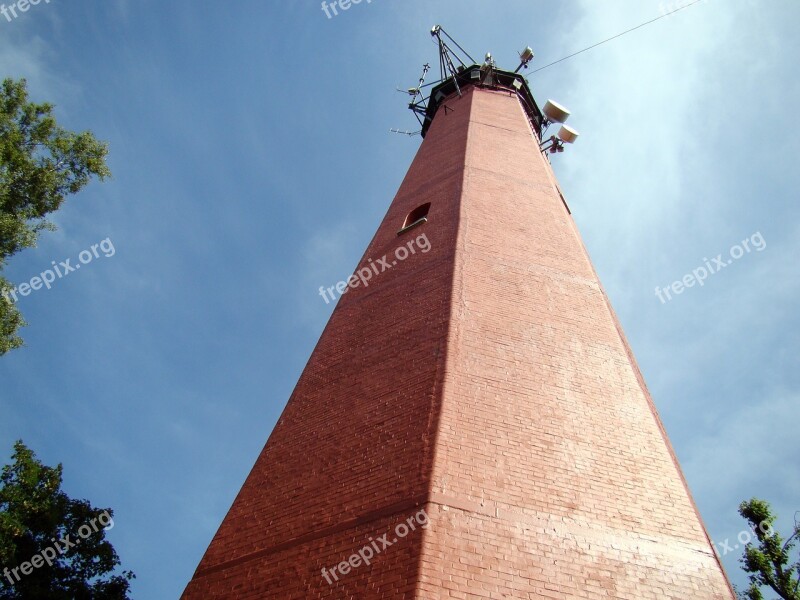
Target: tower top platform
[(484, 76)]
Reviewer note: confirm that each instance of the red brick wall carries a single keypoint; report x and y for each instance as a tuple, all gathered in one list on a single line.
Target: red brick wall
[(556, 474), (355, 439), (486, 381)]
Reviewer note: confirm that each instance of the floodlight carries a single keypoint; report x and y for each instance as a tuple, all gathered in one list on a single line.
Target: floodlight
[(517, 84), (555, 143), (567, 134), (525, 57), (554, 112)]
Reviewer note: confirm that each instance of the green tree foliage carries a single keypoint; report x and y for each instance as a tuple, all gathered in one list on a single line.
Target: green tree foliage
[(62, 541), (769, 560), (40, 165)]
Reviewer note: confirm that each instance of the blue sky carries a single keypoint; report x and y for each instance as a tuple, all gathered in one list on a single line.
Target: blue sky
[(252, 164)]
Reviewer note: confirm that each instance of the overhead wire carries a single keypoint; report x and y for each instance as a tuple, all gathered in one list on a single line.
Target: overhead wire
[(672, 12), (619, 35)]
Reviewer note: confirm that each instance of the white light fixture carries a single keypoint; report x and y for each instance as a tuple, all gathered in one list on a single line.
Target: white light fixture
[(555, 143), (554, 112), (567, 134), (525, 57)]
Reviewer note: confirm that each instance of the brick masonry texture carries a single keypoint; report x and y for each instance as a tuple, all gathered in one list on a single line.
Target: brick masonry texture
[(486, 381)]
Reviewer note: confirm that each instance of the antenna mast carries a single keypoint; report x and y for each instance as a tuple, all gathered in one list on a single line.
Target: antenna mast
[(458, 70), (446, 55)]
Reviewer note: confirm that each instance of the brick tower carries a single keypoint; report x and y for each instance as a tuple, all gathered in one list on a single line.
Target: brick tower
[(472, 423)]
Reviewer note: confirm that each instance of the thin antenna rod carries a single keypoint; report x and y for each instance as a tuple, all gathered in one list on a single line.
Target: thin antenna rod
[(445, 57), (459, 47), (404, 132), (419, 107)]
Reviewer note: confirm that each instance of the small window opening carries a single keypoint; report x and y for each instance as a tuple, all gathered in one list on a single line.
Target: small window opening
[(418, 216)]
